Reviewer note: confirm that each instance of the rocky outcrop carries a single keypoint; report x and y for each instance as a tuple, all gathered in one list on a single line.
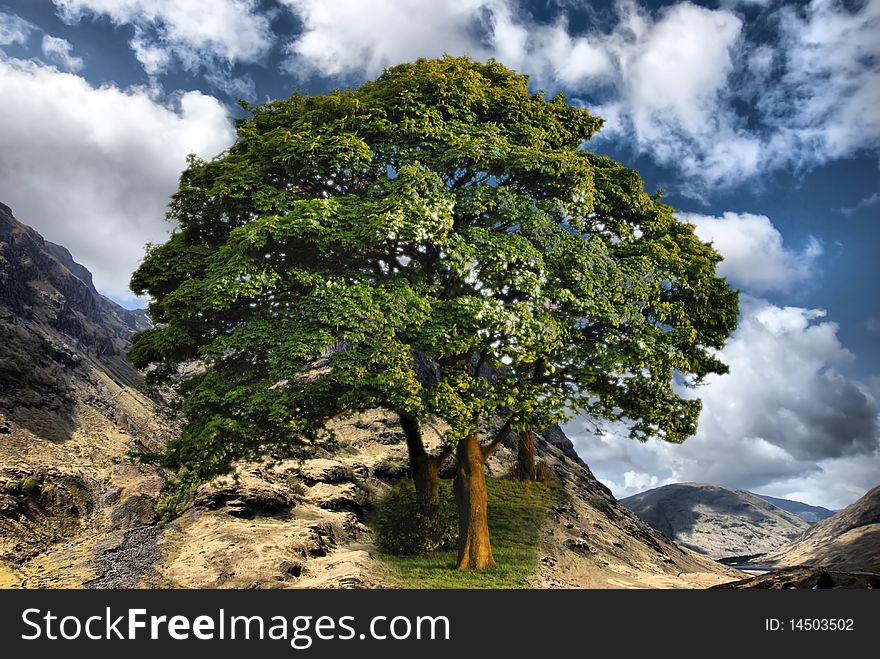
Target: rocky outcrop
[(314, 532), (806, 577), (717, 521)]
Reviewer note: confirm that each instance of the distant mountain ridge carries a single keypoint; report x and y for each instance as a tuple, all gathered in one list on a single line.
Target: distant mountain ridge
[(718, 521), (808, 513)]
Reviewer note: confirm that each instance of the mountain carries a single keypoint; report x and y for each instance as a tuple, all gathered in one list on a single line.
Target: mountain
[(77, 509), (849, 540), (717, 521), (808, 513), (70, 408), (50, 313)]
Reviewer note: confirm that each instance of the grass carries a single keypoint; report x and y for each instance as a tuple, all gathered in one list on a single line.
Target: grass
[(516, 514)]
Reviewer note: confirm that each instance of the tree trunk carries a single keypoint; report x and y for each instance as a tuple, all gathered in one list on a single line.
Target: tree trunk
[(524, 469), (474, 549), (424, 467)]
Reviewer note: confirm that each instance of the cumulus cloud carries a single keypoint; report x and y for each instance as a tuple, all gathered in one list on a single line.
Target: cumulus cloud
[(58, 51), (687, 84), (362, 38), (786, 420), (825, 104), (92, 168), (197, 35), (14, 29), (674, 74), (754, 255), (669, 72)]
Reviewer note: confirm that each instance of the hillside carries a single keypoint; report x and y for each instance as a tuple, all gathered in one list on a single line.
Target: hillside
[(78, 510), (850, 540), (715, 520), (70, 409)]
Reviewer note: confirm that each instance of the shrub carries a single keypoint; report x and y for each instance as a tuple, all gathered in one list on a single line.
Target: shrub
[(295, 485), (30, 484), (403, 529), (543, 473), (177, 496)]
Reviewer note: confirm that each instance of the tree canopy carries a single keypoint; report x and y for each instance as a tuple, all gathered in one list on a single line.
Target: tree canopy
[(437, 242)]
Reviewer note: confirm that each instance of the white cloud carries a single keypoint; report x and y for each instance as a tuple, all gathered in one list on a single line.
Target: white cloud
[(673, 79), (195, 34), (825, 105), (548, 52), (669, 73), (754, 255), (92, 168), (688, 85), (867, 202), (784, 420), (57, 51), (351, 37), (746, 3), (14, 29)]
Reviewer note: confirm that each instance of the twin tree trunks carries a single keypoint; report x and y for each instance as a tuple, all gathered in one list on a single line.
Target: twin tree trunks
[(471, 495)]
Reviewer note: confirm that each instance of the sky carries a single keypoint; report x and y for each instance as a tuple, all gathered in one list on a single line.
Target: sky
[(759, 118)]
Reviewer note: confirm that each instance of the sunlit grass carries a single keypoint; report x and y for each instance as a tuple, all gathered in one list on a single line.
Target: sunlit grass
[(516, 514)]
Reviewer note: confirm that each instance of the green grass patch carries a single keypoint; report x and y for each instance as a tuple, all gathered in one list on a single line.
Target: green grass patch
[(516, 514)]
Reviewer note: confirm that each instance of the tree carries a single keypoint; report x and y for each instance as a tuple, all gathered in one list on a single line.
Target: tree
[(525, 468), (436, 242)]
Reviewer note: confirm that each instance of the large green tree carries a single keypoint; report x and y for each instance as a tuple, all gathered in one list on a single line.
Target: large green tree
[(437, 242)]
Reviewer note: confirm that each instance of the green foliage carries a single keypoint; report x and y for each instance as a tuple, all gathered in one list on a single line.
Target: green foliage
[(517, 513), (440, 213), (177, 496), (296, 485), (402, 529), (30, 484)]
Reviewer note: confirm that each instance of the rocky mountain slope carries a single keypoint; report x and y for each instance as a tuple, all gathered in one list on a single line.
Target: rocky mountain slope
[(70, 410), (850, 540), (810, 514), (715, 520), (78, 510)]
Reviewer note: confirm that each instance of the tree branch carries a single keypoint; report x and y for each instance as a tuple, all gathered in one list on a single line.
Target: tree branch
[(441, 456), (413, 434), (489, 449), (479, 365)]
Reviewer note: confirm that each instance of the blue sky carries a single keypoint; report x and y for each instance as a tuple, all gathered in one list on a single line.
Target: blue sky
[(758, 117)]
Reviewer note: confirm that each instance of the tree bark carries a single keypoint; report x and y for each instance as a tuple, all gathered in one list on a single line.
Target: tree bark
[(424, 467), (524, 469), (474, 549)]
